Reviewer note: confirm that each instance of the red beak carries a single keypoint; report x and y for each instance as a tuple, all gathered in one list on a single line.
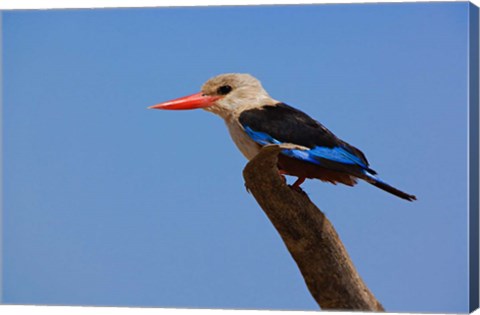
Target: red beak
[(197, 100)]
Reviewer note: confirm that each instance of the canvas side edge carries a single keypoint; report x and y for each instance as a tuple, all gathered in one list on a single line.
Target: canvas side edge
[(1, 159), (473, 99), (1, 162)]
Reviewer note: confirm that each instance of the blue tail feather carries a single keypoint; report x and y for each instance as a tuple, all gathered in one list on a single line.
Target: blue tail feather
[(377, 182), (335, 154)]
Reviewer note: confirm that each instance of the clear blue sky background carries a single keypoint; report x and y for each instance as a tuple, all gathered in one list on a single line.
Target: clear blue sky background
[(108, 203)]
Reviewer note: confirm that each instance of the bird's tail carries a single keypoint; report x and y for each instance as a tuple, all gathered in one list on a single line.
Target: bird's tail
[(375, 181)]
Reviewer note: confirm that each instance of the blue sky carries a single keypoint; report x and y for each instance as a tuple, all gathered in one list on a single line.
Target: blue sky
[(108, 203)]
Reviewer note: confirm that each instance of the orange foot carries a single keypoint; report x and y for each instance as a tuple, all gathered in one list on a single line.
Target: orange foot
[(298, 182), (296, 185)]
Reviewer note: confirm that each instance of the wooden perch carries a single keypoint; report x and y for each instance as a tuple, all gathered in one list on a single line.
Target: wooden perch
[(309, 236)]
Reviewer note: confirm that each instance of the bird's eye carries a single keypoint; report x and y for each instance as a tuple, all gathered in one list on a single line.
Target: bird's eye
[(224, 89)]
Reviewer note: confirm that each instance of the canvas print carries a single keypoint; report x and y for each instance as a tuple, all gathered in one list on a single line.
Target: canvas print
[(282, 157)]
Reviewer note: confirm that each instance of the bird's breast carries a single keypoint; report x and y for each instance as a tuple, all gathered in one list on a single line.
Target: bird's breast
[(244, 143)]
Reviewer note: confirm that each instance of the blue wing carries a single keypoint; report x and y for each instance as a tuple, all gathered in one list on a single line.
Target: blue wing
[(313, 155), (282, 124)]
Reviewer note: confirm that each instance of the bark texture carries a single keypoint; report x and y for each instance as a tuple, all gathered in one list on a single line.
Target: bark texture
[(309, 236)]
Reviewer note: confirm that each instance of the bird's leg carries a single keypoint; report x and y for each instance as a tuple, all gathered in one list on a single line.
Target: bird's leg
[(297, 183)]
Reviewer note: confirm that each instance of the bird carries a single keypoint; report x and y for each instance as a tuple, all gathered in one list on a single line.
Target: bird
[(254, 119)]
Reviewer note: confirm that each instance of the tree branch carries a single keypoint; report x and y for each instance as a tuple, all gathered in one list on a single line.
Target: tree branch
[(309, 236)]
